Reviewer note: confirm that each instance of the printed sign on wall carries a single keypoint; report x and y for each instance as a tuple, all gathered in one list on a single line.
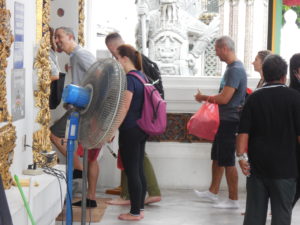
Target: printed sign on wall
[(18, 35), (18, 94)]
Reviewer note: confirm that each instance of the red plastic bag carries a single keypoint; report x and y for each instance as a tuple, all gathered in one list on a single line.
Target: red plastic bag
[(249, 91), (205, 122)]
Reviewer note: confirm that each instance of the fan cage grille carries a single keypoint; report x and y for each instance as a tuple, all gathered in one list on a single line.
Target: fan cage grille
[(100, 121)]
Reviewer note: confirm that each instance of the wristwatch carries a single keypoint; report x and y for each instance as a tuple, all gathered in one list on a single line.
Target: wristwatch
[(243, 156)]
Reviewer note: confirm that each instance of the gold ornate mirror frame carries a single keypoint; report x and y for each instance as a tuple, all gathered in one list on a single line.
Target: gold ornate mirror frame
[(7, 129), (41, 137)]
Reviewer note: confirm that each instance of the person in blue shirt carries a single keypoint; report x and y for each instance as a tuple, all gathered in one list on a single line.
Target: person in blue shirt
[(230, 100)]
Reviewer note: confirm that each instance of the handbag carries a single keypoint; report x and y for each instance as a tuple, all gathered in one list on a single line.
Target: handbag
[(56, 90), (205, 122)]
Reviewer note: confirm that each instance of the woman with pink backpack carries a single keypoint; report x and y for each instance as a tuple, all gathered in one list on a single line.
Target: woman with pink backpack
[(132, 138)]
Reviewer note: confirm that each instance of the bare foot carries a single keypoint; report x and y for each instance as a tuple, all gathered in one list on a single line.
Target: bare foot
[(152, 199), (129, 217), (118, 201), (142, 214)]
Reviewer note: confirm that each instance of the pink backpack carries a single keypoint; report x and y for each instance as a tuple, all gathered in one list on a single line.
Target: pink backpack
[(154, 117)]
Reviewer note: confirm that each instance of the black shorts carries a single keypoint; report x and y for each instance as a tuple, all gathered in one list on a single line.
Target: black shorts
[(59, 127), (223, 148)]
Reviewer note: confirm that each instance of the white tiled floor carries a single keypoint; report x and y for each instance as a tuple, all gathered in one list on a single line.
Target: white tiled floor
[(182, 207)]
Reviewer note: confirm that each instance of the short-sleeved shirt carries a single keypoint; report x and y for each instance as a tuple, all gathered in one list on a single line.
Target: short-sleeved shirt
[(135, 110), (235, 77), (80, 61), (271, 117)]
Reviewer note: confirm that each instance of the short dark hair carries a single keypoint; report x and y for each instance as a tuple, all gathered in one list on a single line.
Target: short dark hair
[(112, 36), (274, 68)]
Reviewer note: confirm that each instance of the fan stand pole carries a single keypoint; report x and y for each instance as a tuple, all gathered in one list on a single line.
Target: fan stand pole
[(84, 185), (70, 158), (72, 129)]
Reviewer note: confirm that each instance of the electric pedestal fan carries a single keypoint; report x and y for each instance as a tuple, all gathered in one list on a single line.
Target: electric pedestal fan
[(95, 110)]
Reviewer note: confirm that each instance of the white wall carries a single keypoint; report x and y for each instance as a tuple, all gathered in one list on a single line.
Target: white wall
[(24, 126), (110, 14)]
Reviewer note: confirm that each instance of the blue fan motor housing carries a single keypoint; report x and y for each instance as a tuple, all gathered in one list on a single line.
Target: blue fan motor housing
[(77, 96)]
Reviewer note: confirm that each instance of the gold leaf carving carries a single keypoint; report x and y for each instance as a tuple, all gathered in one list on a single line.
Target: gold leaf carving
[(7, 131), (81, 18), (41, 138)]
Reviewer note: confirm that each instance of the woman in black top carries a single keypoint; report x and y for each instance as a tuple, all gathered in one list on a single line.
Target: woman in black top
[(132, 139)]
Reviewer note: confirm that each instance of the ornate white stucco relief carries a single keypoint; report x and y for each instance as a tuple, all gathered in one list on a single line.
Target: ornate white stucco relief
[(176, 39)]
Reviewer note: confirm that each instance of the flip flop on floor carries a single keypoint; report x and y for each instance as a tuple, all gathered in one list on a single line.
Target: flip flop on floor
[(89, 203)]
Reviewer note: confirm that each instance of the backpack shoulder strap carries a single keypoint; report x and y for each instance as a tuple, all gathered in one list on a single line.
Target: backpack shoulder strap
[(137, 76)]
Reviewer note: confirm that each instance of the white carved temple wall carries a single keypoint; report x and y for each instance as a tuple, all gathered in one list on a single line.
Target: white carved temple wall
[(246, 21), (236, 18)]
